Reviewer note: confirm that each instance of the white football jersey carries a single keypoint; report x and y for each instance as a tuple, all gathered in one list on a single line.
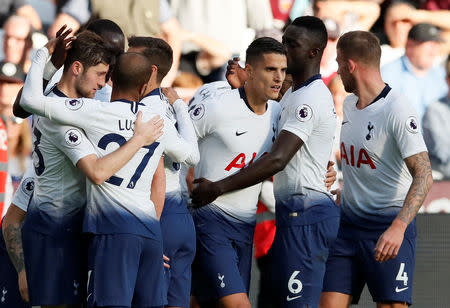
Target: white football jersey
[(60, 190), (208, 91), (122, 203), (374, 143), (25, 189), (307, 112), (181, 145), (230, 137)]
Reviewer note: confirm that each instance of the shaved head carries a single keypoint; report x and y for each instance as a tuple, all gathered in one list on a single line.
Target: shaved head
[(131, 72)]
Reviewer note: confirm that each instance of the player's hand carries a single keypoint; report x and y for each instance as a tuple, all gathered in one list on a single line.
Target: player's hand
[(390, 241), (23, 285), (330, 177), (204, 192), (149, 131), (60, 44), (236, 75), (63, 44), (166, 261), (337, 193), (171, 94)]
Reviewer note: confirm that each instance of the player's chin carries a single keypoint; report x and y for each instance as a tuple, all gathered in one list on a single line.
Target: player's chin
[(273, 93)]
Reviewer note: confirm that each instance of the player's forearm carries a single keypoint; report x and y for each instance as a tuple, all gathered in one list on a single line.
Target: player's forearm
[(420, 168), (101, 169), (12, 233), (33, 99), (158, 190), (187, 132), (262, 169)]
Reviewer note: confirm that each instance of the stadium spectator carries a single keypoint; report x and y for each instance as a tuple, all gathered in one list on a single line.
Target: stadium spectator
[(436, 130), (414, 74), (17, 42), (350, 15), (135, 17), (21, 8), (328, 65), (409, 14), (396, 31), (207, 18)]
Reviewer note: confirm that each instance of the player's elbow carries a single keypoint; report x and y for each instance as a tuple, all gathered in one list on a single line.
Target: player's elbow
[(97, 178), (194, 158)]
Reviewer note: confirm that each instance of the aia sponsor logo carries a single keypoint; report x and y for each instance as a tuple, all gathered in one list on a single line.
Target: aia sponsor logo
[(355, 157)]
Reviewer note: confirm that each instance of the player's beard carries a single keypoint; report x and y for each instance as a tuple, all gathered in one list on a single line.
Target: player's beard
[(349, 82)]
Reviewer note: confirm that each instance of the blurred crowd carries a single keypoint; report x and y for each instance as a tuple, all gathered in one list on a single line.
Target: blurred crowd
[(205, 34)]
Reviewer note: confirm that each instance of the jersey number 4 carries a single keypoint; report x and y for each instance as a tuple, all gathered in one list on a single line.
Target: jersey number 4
[(120, 140)]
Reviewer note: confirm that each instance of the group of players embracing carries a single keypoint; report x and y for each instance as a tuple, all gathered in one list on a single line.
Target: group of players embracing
[(101, 219)]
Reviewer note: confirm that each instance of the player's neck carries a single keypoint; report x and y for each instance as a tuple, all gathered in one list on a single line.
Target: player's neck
[(117, 94), (254, 99), (67, 86), (299, 78), (369, 86)]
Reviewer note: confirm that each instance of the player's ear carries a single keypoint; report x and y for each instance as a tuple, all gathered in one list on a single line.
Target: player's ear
[(142, 91), (77, 68), (154, 74), (351, 65), (249, 69)]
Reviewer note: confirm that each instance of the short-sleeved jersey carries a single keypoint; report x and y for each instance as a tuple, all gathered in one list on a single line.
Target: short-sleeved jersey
[(60, 190), (308, 112), (122, 203), (374, 143), (209, 91), (25, 190), (230, 137), (180, 146)]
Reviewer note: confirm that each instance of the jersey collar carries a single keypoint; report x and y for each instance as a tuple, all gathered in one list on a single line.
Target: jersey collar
[(134, 105), (244, 98), (156, 91), (57, 92), (307, 82), (382, 94)]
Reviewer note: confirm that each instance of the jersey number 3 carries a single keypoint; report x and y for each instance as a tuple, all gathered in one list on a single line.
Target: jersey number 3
[(120, 140)]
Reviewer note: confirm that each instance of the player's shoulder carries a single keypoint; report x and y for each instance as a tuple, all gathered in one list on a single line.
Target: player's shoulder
[(209, 90), (274, 106)]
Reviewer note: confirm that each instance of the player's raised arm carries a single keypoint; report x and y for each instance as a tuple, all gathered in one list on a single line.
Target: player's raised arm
[(182, 147), (62, 44), (390, 241)]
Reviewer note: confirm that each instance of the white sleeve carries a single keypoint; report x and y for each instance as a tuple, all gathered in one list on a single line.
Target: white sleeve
[(405, 127), (73, 143), (300, 122), (187, 136), (203, 118), (63, 110), (23, 193)]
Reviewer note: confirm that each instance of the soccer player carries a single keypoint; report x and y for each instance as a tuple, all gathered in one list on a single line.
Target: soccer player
[(177, 227), (306, 216), (13, 281), (387, 176), (120, 214), (53, 222), (234, 129)]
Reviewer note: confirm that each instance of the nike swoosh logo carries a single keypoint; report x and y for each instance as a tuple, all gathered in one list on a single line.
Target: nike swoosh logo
[(292, 298), (238, 134), (345, 122), (400, 290)]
